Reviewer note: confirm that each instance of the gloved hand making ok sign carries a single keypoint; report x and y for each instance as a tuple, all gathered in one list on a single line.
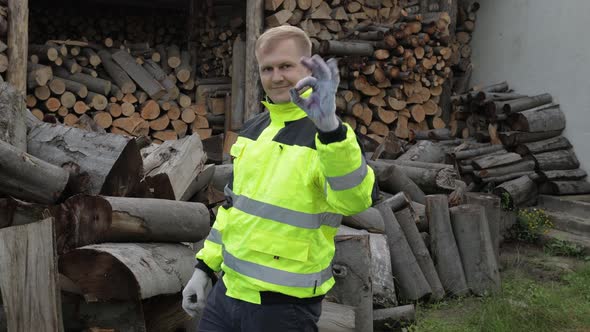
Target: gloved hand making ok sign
[(321, 105)]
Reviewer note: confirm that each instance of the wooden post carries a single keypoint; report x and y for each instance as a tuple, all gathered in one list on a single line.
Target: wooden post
[(29, 277), (254, 26), (18, 40), (238, 84)]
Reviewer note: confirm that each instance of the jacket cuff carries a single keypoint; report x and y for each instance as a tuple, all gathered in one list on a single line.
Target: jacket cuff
[(205, 268), (336, 135)]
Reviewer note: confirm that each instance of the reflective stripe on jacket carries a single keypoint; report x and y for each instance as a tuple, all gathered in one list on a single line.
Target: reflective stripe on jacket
[(284, 205)]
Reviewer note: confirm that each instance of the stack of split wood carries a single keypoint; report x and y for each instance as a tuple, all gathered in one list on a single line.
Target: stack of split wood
[(394, 63), (461, 46), (147, 88), (526, 153), (3, 38)]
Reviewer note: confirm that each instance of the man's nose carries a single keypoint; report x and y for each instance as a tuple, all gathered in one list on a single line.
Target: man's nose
[(277, 76)]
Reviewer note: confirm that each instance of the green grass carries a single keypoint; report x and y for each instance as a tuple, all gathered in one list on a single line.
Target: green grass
[(524, 304)]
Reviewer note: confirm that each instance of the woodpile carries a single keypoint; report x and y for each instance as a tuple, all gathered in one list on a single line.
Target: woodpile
[(113, 223), (461, 46), (131, 75), (521, 150), (395, 59)]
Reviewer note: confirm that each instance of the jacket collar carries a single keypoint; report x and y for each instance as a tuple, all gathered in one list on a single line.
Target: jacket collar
[(286, 112)]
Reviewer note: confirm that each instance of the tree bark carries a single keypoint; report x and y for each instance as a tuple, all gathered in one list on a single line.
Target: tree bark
[(370, 219), (333, 47), (382, 276), (128, 271), (29, 178), (18, 41), (521, 104), (548, 119), (471, 153), (238, 84), (518, 192), (387, 317), (562, 175), (391, 179), (105, 164), (521, 166), (565, 187), (117, 73), (408, 225), (551, 144), (84, 220), (556, 160), (337, 318), (424, 151), (443, 247), (475, 246), (411, 281), (29, 277), (171, 168), (14, 212), (351, 267), (495, 160), (13, 129), (428, 180), (493, 211), (513, 138), (152, 87)]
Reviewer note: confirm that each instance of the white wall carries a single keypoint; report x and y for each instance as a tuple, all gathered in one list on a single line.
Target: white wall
[(539, 46)]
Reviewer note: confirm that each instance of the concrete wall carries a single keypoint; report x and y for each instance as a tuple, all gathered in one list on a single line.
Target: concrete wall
[(539, 46)]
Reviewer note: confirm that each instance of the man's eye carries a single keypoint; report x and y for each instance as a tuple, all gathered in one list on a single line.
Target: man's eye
[(267, 69), (285, 66)]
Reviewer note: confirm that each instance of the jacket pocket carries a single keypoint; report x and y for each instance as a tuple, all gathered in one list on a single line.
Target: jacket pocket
[(279, 246)]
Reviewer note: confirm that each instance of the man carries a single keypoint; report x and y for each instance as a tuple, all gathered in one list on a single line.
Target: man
[(297, 170)]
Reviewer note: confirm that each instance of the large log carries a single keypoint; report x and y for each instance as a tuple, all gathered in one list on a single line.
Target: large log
[(17, 41), (128, 271), (14, 212), (556, 160), (471, 153), (336, 318), (547, 119), (13, 129), (521, 166), (565, 187), (83, 220), (424, 151), (117, 73), (93, 84), (407, 222), (105, 164), (521, 191), (411, 281), (513, 138), (392, 180), (495, 160), (521, 104), (152, 87), (475, 246), (443, 247), (29, 178), (351, 267), (550, 144), (562, 175), (493, 212), (370, 219), (333, 47), (429, 180), (172, 167), (29, 277), (383, 319)]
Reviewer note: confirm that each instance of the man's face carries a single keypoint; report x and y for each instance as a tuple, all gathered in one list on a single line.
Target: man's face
[(280, 69)]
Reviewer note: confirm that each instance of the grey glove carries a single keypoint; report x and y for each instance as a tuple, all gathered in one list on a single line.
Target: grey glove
[(321, 105), (194, 295)]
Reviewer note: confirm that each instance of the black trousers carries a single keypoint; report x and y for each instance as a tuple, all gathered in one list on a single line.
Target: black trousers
[(225, 314)]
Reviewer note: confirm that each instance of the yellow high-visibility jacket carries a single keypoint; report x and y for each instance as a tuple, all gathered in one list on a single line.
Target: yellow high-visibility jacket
[(290, 187)]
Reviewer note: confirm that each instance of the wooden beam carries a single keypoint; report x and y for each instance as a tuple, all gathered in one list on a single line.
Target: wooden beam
[(18, 39), (254, 26), (29, 276)]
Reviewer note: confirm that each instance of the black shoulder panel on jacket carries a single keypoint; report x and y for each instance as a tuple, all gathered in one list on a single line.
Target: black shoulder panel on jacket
[(301, 132), (253, 128)]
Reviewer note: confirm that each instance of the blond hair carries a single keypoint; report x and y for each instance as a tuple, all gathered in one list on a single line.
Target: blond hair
[(284, 32)]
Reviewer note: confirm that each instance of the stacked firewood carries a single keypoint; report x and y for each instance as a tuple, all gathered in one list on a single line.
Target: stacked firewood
[(394, 62), (461, 58), (3, 38), (148, 88), (525, 154)]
